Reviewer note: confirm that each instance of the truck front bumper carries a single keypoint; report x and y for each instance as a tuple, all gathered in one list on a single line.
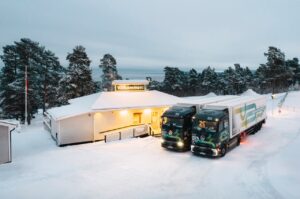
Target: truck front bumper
[(199, 150), (173, 145)]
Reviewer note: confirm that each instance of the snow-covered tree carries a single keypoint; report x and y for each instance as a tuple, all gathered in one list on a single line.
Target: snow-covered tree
[(51, 73), (277, 74), (78, 79), (209, 80), (194, 80), (294, 67), (26, 53), (109, 71), (175, 81), (8, 76)]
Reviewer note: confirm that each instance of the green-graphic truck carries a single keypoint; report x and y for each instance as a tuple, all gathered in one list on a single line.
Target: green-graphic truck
[(221, 126), (177, 122)]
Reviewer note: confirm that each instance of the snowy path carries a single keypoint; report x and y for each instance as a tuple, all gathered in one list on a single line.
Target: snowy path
[(264, 166)]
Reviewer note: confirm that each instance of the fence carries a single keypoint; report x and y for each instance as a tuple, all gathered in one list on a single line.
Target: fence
[(282, 101), (130, 132)]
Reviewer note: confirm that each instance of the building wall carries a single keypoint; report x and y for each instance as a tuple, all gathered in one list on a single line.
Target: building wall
[(76, 129), (4, 144), (91, 127), (54, 129), (111, 120)]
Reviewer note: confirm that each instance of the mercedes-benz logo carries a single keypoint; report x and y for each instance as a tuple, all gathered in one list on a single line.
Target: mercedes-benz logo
[(202, 137)]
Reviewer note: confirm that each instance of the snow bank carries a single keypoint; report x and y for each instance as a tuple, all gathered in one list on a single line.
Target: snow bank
[(211, 94), (249, 92)]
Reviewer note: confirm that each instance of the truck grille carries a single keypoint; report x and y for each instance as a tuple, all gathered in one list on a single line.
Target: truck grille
[(171, 139), (201, 144), (199, 150)]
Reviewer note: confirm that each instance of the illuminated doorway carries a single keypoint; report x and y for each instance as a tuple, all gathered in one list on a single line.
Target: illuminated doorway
[(137, 118)]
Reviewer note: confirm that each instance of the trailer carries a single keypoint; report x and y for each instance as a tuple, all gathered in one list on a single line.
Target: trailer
[(177, 122), (221, 126)]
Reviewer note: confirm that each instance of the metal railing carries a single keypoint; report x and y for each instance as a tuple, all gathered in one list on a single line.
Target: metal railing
[(130, 132), (281, 102)]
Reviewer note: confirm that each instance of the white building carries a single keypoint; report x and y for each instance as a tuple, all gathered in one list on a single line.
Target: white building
[(90, 118), (5, 141)]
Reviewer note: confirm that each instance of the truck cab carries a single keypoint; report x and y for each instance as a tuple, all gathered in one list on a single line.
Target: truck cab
[(210, 132), (176, 127)]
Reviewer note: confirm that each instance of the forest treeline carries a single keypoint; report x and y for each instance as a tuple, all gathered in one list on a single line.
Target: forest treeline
[(50, 84), (278, 74)]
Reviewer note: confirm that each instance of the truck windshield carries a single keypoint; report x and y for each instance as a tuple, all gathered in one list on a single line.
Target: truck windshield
[(172, 126), (205, 130), (208, 126)]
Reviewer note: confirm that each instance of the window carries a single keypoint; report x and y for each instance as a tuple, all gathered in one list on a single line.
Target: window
[(221, 126), (226, 123)]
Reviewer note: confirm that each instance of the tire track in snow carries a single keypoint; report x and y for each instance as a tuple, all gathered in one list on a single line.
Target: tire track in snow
[(261, 187)]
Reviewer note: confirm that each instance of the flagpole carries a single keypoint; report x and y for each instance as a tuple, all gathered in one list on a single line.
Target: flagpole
[(26, 94)]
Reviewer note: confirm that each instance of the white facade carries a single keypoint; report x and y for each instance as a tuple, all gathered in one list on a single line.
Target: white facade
[(244, 112), (90, 118)]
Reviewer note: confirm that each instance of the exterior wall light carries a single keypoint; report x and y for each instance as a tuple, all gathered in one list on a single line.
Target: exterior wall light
[(147, 111), (123, 112)]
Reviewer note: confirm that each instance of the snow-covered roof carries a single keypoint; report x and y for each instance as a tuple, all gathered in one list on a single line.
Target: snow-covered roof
[(237, 101), (104, 101), (77, 106), (195, 98), (131, 81), (206, 100), (130, 100), (9, 124)]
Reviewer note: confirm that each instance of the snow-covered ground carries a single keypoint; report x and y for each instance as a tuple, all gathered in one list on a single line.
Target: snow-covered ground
[(266, 165)]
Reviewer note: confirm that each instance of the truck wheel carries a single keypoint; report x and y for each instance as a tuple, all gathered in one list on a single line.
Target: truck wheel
[(223, 151), (259, 126), (238, 142)]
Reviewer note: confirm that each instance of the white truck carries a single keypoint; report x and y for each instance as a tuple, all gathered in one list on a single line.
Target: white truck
[(222, 125), (177, 121)]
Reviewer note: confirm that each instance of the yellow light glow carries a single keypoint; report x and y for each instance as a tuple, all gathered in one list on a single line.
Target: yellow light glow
[(97, 114), (180, 144), (147, 111), (124, 112)]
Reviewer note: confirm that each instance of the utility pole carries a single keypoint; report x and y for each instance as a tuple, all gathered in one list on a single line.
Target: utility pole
[(26, 94)]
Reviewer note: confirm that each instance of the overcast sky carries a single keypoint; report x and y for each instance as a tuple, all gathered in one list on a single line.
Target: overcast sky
[(156, 33)]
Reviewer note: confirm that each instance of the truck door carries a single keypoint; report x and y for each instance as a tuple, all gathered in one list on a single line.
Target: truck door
[(224, 130)]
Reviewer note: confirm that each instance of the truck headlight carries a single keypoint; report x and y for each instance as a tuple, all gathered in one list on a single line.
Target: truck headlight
[(180, 144)]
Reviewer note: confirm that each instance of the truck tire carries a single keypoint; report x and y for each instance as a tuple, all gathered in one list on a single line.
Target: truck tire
[(238, 142), (259, 126), (223, 151)]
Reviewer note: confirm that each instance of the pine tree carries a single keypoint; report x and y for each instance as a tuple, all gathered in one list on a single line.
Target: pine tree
[(8, 76), (209, 80), (78, 80), (278, 75), (260, 82), (248, 78), (52, 72), (193, 82), (294, 67), (25, 54), (109, 71), (175, 81)]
